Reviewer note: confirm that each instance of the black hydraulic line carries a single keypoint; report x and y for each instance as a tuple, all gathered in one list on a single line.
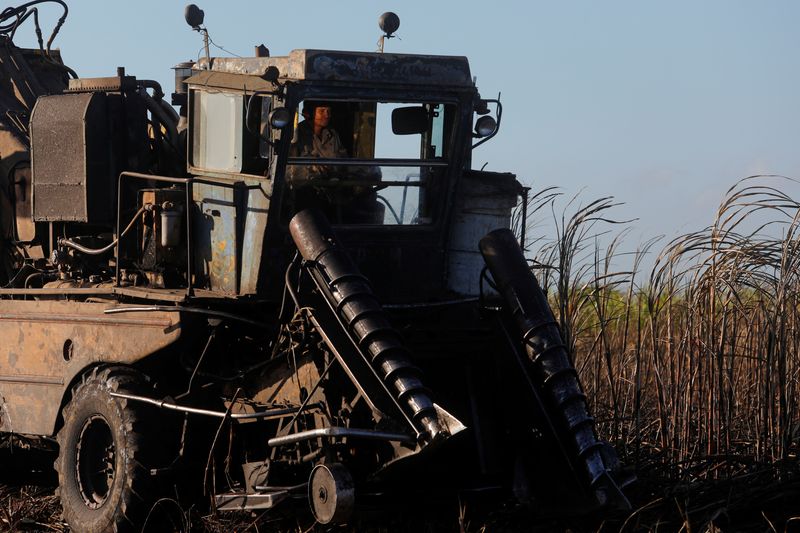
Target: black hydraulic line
[(391, 209), (22, 18), (288, 288), (555, 374), (21, 13), (166, 120), (170, 111), (158, 92), (353, 301), (99, 251), (30, 277)]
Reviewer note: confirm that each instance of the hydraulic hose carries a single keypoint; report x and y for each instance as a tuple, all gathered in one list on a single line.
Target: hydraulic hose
[(158, 96), (158, 111), (21, 13), (99, 251), (158, 92)]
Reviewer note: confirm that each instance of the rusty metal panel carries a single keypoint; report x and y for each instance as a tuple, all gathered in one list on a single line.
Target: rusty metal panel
[(71, 160), (356, 67), (25, 74), (363, 67), (26, 228), (255, 226), (47, 343), (239, 77), (483, 202), (40, 73), (113, 83), (215, 236)]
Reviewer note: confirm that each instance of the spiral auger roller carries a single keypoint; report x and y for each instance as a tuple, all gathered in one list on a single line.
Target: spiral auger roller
[(555, 375), (358, 308)]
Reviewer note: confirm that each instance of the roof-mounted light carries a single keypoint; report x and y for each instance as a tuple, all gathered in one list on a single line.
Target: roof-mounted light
[(389, 23), (485, 126), (279, 118), (194, 16)]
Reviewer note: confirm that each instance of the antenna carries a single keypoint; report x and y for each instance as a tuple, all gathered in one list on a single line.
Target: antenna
[(388, 23), (194, 17)]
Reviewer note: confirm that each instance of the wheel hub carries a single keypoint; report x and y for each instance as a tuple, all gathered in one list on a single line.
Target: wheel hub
[(95, 461), (331, 493)]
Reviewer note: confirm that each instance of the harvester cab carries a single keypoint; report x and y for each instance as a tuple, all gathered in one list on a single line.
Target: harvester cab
[(383, 168), (301, 254)]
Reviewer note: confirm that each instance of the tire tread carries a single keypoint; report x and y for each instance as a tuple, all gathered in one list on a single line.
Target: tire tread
[(134, 495)]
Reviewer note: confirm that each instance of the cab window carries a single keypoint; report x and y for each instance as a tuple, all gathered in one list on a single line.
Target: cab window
[(221, 138), (370, 162)]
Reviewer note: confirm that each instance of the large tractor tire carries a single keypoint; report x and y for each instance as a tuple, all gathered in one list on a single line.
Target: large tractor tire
[(105, 452)]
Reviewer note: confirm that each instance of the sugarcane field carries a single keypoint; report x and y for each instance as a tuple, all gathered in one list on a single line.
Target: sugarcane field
[(525, 267)]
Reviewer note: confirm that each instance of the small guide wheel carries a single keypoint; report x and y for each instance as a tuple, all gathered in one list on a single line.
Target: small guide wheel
[(331, 493)]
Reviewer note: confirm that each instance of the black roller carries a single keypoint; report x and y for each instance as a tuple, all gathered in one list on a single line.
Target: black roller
[(358, 308), (555, 375)]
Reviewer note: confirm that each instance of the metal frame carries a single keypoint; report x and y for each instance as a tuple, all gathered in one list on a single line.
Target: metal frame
[(335, 431), (188, 184), (258, 415)]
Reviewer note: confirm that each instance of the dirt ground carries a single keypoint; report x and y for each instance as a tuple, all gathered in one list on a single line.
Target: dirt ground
[(763, 499)]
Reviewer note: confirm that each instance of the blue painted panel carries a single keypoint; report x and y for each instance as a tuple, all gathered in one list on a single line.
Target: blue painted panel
[(258, 200), (216, 250)]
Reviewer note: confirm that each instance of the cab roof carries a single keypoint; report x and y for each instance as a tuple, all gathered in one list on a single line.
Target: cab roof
[(354, 67)]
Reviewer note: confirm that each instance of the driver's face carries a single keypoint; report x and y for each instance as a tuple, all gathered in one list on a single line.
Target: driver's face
[(322, 116)]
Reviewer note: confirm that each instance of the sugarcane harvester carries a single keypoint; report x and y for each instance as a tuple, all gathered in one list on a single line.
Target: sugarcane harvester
[(295, 292)]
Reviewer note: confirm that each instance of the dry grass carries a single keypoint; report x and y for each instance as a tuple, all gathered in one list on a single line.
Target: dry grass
[(29, 508), (691, 368)]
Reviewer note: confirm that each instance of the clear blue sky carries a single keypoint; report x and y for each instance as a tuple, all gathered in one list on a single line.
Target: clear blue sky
[(662, 105)]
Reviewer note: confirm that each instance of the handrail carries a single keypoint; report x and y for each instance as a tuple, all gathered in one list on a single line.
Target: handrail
[(367, 162)]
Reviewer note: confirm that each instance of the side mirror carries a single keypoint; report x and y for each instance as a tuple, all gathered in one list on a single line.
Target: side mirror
[(409, 120)]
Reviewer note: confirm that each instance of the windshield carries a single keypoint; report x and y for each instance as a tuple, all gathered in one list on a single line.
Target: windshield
[(370, 162)]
